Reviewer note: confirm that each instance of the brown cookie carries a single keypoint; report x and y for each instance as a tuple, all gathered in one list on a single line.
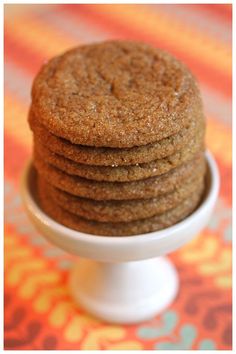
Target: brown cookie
[(111, 156), (143, 189), (115, 94), (121, 211), (154, 223), (122, 173)]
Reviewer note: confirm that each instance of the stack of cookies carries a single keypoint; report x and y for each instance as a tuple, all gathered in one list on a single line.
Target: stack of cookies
[(118, 139)]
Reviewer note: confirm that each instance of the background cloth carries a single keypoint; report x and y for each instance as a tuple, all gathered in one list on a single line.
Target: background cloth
[(39, 312)]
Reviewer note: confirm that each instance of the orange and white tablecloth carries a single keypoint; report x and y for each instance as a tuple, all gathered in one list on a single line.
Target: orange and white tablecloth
[(39, 312)]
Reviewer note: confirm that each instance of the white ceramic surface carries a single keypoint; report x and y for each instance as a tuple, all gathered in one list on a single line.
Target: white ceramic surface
[(124, 292), (122, 281)]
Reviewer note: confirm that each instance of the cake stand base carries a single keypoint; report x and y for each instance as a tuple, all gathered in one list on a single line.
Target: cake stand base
[(127, 292)]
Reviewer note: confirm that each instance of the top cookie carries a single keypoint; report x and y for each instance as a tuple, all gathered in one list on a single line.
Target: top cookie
[(115, 94)]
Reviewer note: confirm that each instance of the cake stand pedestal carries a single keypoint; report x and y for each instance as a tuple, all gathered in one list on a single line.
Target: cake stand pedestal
[(123, 279)]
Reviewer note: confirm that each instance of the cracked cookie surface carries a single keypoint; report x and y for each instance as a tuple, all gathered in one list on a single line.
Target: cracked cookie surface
[(115, 94)]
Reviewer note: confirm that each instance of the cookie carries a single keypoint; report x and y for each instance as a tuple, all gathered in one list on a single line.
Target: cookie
[(122, 211), (153, 223), (115, 94), (143, 189), (115, 157), (121, 173)]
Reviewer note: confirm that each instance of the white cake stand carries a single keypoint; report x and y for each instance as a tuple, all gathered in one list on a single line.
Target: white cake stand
[(123, 279)]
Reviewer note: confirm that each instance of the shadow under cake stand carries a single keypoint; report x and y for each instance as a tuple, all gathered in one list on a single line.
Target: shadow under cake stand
[(123, 279)]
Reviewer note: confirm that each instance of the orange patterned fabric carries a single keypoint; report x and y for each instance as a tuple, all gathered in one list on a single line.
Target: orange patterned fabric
[(39, 312)]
